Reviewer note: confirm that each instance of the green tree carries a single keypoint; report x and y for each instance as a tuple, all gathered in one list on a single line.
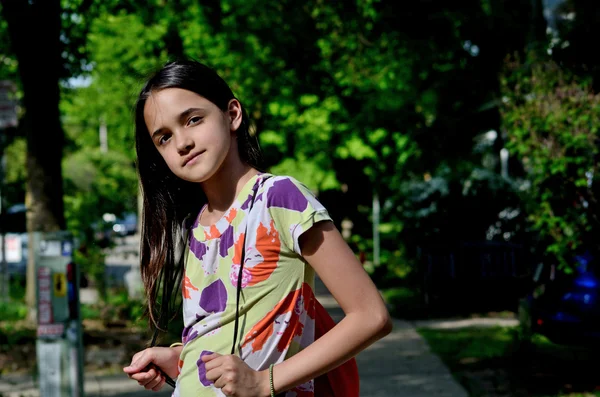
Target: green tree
[(57, 40)]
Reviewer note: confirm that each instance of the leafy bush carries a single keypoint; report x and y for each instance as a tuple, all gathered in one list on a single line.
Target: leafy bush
[(13, 310), (551, 120)]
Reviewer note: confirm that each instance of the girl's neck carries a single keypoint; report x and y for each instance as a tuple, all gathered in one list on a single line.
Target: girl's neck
[(222, 189)]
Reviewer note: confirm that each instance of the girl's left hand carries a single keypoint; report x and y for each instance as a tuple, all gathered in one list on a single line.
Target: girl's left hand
[(234, 377)]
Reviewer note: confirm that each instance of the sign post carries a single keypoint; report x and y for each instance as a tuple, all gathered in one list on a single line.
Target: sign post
[(59, 335), (8, 118)]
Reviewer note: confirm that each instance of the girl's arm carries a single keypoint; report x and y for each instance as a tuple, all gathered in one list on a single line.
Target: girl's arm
[(366, 320)]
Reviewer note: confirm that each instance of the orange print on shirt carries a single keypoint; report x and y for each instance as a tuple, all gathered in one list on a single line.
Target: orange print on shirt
[(237, 250), (264, 329), (188, 284), (269, 246), (231, 216), (214, 232)]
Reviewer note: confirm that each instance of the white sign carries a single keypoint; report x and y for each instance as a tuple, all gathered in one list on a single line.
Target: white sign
[(49, 364), (8, 105), (50, 248), (13, 248)]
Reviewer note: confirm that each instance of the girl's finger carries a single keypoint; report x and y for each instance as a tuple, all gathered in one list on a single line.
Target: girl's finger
[(213, 363), (160, 384), (214, 374), (142, 377), (208, 357), (153, 383), (221, 382), (139, 363), (151, 373)]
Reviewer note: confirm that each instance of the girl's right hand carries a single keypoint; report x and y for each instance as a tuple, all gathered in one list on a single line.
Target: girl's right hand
[(143, 366)]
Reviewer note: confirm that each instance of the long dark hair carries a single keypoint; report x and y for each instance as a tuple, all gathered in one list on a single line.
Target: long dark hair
[(168, 201)]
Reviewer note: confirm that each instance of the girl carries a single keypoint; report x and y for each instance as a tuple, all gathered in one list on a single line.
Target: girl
[(243, 245)]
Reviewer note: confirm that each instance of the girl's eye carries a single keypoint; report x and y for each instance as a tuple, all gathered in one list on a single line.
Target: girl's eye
[(195, 120), (163, 139)]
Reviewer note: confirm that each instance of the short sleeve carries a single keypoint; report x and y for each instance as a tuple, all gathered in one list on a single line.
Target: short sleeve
[(294, 209)]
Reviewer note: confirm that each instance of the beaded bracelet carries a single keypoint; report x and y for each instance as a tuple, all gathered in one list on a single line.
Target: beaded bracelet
[(271, 380)]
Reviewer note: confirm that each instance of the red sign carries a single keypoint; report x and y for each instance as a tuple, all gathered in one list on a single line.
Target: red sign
[(50, 330), (44, 296)]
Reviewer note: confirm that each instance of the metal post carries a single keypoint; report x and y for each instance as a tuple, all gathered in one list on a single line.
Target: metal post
[(103, 132), (4, 293), (8, 118), (376, 209), (504, 162), (59, 346)]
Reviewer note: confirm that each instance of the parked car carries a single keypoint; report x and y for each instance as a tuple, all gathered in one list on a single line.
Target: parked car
[(126, 225), (110, 226), (563, 307)]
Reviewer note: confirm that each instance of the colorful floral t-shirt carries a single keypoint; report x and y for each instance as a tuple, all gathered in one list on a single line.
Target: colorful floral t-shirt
[(277, 303)]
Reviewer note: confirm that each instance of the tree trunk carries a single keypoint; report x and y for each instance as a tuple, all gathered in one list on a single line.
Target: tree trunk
[(40, 65)]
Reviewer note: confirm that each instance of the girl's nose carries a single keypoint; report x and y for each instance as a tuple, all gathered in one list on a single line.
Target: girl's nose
[(184, 144)]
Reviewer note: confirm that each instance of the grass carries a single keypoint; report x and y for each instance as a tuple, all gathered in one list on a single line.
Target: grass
[(469, 344), (404, 302), (486, 362)]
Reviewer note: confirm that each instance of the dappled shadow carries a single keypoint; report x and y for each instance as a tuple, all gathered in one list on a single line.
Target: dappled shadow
[(536, 373), (402, 364)]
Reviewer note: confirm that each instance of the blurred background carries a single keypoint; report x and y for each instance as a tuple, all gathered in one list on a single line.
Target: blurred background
[(455, 144)]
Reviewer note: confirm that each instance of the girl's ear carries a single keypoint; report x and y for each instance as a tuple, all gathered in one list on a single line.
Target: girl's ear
[(234, 110)]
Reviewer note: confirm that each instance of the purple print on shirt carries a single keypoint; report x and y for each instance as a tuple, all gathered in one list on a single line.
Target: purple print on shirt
[(226, 241), (198, 249), (202, 369), (284, 194), (214, 297), (246, 202), (188, 336)]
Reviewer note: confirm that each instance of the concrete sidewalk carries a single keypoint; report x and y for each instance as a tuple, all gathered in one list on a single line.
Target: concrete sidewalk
[(400, 365)]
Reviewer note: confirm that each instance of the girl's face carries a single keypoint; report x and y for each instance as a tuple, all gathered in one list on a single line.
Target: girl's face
[(191, 133)]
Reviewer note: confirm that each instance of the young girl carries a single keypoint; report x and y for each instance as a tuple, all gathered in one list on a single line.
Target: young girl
[(244, 247)]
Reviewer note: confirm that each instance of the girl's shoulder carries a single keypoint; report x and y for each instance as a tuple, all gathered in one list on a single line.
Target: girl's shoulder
[(278, 184), (284, 191)]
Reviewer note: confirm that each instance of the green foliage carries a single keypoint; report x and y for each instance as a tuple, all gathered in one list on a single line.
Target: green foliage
[(116, 307), (90, 257), (97, 183), (12, 334), (17, 288), (352, 99), (552, 122), (13, 310)]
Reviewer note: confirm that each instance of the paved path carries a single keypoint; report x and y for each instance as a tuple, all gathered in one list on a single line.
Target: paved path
[(400, 365)]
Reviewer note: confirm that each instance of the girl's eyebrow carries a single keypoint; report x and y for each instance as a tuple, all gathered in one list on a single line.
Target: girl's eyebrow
[(184, 115), (181, 118)]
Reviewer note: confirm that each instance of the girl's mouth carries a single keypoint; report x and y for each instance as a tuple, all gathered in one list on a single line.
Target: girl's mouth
[(192, 159)]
